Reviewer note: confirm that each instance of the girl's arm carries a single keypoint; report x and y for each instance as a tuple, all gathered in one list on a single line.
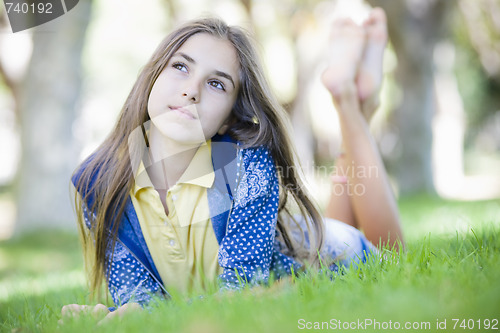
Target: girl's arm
[(246, 251), (130, 284), (129, 281), (99, 311)]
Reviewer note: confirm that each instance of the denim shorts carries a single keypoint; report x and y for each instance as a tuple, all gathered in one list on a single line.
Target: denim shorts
[(343, 244)]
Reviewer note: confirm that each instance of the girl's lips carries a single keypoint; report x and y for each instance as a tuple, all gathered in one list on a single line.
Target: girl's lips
[(183, 112)]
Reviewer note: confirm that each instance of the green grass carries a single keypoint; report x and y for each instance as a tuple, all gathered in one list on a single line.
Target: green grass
[(450, 270)]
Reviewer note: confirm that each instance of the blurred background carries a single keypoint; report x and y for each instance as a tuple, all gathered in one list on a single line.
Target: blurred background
[(63, 84)]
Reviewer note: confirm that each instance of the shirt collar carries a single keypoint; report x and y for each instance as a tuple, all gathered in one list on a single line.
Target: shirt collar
[(200, 171)]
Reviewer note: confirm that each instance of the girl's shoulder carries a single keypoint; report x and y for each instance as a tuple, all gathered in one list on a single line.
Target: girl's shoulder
[(225, 149), (257, 177), (260, 155), (87, 179), (86, 169)]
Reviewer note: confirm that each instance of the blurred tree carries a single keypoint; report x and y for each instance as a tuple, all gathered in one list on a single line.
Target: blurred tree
[(482, 19), (415, 26), (46, 102), (292, 21), (171, 9), (477, 36), (10, 80), (301, 23)]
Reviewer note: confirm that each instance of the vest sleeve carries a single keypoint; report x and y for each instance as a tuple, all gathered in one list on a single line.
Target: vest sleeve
[(129, 281), (246, 251)]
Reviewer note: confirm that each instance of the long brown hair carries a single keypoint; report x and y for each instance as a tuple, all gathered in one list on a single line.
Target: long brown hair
[(106, 177)]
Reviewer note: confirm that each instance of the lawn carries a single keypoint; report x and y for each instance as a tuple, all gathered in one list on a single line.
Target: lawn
[(447, 280)]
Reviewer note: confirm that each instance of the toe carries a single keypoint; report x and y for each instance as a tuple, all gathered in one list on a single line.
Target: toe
[(376, 26), (377, 17), (343, 21)]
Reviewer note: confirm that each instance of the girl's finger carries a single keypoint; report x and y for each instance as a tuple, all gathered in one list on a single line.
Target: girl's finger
[(110, 316), (72, 309), (122, 310), (100, 310)]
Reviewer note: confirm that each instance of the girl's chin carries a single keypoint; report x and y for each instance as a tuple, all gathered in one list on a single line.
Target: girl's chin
[(179, 131)]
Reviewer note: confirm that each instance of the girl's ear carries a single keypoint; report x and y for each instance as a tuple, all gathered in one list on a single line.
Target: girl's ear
[(223, 129)]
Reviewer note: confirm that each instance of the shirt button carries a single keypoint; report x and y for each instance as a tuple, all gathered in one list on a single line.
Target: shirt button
[(171, 242), (174, 197)]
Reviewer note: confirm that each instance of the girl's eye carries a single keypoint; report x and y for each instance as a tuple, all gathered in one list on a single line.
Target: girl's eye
[(180, 66), (217, 84)]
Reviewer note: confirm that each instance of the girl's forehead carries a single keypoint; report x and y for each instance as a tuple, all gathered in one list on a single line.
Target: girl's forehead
[(211, 50)]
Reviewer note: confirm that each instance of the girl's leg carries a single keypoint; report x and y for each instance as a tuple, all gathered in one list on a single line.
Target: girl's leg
[(339, 205), (367, 202), (370, 73), (347, 41), (368, 79)]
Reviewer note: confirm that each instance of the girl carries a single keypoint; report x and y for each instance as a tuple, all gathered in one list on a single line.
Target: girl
[(196, 181)]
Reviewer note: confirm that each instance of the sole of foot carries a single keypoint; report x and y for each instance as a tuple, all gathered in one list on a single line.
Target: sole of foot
[(347, 40), (369, 78)]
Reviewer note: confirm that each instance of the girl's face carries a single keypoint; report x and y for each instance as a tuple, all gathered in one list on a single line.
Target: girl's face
[(193, 96)]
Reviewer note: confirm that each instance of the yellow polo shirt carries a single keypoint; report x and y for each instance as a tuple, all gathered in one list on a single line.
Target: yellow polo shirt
[(183, 244)]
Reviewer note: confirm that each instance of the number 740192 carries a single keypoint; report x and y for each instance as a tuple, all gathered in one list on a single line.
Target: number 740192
[(25, 8), (473, 324)]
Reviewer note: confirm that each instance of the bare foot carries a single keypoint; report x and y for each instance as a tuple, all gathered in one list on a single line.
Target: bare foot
[(370, 73), (347, 41)]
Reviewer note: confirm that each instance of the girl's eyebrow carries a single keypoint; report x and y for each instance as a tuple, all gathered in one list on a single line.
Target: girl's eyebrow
[(217, 72)]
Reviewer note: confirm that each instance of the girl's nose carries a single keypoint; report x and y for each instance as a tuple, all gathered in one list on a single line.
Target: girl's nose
[(191, 92)]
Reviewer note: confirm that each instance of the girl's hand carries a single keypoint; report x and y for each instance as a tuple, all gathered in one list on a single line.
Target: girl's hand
[(122, 310), (99, 311), (74, 310)]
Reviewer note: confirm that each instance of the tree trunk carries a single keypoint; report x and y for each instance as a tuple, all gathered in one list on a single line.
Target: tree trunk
[(48, 103), (414, 29)]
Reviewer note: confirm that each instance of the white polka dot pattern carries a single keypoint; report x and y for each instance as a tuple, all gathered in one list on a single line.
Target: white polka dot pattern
[(246, 251), (255, 181), (250, 249), (128, 280)]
